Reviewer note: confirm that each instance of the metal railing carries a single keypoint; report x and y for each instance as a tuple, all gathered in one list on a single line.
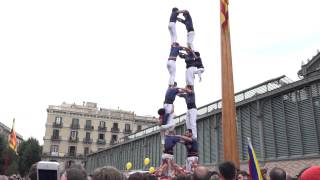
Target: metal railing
[(261, 88)]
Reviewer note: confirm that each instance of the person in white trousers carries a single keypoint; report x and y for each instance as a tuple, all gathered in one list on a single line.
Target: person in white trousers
[(189, 26), (171, 63), (191, 68), (172, 24), (199, 65), (191, 118)]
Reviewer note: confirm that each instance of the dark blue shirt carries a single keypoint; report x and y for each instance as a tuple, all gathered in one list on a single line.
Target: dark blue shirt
[(188, 59), (192, 148), (169, 143), (198, 62), (165, 118), (190, 100), (174, 52), (188, 23), (173, 17), (171, 95)]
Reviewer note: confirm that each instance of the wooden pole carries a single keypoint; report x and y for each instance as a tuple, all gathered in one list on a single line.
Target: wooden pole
[(229, 127)]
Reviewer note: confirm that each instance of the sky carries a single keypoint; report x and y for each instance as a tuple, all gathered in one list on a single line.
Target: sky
[(114, 53)]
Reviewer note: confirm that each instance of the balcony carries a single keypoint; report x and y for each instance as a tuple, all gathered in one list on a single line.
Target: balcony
[(114, 129), (55, 138), (127, 131), (102, 128), (88, 127), (75, 126), (56, 125), (56, 154), (73, 139), (113, 142), (87, 141), (101, 142), (72, 154)]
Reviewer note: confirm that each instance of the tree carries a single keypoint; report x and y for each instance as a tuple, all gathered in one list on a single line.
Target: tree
[(3, 148), (29, 153)]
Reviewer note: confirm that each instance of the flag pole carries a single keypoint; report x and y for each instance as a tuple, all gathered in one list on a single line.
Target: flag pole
[(229, 127)]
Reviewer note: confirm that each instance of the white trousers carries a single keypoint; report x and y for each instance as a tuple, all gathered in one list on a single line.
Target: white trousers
[(170, 122), (190, 37), (171, 66), (189, 162), (173, 32), (191, 121), (190, 75)]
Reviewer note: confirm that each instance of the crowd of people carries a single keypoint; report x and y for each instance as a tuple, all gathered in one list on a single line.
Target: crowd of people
[(225, 171)]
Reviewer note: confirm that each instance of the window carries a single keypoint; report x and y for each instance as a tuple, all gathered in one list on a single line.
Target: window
[(54, 148), (127, 127), (86, 151), (101, 136), (88, 123), (115, 125), (74, 135), (75, 121), (139, 128), (55, 133), (72, 150), (87, 135), (114, 138), (58, 120), (102, 124)]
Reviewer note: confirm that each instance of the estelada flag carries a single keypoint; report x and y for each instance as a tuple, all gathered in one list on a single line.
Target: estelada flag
[(254, 168), (13, 138)]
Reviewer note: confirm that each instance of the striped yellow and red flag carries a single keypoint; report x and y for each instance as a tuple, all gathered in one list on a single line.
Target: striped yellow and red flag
[(13, 138), (224, 13)]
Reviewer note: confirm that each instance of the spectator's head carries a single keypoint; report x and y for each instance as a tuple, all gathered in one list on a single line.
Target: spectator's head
[(188, 133), (214, 175), (108, 172), (227, 170), (150, 177), (136, 176), (243, 175), (33, 172), (277, 174), (74, 173), (312, 173), (201, 173)]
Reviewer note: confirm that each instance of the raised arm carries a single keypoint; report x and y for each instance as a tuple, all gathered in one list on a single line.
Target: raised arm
[(184, 138), (181, 20)]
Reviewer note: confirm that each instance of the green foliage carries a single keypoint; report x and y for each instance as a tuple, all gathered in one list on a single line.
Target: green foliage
[(3, 149), (29, 153)]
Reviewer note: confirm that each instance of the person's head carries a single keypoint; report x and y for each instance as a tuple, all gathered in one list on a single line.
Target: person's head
[(197, 53), (188, 133), (186, 13), (136, 176), (312, 173), (175, 9), (161, 111), (190, 87), (201, 173), (106, 173), (277, 174), (74, 173), (33, 172), (171, 132), (243, 175), (228, 170)]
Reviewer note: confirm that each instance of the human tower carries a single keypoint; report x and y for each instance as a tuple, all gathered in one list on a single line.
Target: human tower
[(166, 120)]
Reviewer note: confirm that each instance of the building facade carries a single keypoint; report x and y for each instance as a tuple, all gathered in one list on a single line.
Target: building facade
[(281, 117), (73, 131), (5, 132)]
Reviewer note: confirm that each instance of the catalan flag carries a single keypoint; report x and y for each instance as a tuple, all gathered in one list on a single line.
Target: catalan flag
[(13, 138), (254, 168), (224, 13)]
